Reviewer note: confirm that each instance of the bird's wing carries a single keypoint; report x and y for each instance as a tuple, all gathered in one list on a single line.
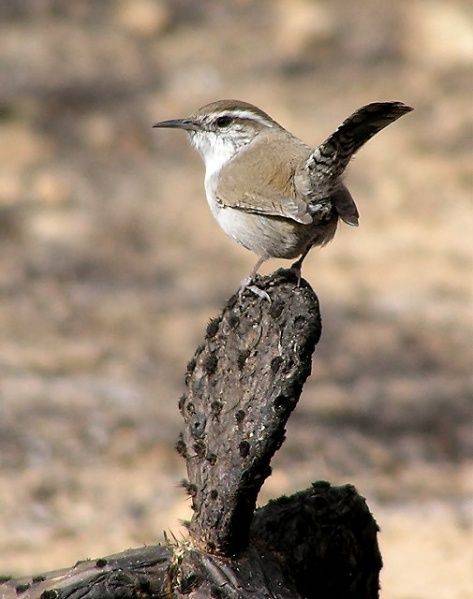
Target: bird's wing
[(269, 204), (261, 181)]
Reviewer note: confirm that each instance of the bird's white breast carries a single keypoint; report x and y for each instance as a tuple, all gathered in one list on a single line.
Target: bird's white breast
[(229, 219), (215, 154)]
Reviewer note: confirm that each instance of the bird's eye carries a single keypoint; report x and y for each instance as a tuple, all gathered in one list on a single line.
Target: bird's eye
[(223, 121)]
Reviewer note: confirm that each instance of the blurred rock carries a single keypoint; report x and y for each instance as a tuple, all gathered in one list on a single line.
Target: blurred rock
[(21, 147), (99, 131), (440, 33), (10, 187), (301, 24), (145, 18), (59, 226), (50, 188)]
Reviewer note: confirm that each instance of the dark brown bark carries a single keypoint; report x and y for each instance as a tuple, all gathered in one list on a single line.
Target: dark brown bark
[(318, 543), (327, 539), (242, 385)]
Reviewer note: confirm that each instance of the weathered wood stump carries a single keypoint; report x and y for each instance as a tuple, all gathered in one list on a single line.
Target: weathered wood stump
[(242, 384)]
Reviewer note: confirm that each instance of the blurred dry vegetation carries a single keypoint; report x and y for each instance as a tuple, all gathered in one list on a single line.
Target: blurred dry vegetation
[(111, 264)]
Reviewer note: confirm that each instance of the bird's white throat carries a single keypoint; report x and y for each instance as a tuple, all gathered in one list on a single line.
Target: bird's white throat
[(216, 150)]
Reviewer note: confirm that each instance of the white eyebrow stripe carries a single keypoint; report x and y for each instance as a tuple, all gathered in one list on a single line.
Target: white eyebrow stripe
[(246, 114)]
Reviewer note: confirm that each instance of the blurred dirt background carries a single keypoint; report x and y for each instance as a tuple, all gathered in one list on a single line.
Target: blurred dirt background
[(111, 266)]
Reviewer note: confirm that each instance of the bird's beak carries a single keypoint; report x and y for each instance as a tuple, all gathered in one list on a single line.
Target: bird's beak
[(187, 124)]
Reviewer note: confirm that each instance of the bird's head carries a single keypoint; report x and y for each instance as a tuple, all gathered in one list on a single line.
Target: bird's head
[(221, 129)]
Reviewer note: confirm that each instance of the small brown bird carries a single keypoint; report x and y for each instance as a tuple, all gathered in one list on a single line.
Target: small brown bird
[(267, 189)]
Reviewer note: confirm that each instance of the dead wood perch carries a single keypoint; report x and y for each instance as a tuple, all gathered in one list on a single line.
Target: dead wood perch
[(242, 384)]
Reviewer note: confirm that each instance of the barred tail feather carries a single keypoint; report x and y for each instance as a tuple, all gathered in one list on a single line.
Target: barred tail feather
[(360, 127), (331, 157)]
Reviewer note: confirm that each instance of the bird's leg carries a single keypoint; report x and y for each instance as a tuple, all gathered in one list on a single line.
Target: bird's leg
[(246, 283), (297, 266)]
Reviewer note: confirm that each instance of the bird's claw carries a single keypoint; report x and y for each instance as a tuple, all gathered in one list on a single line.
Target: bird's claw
[(247, 285), (261, 293)]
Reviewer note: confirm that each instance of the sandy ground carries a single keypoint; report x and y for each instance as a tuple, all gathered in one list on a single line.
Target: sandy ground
[(111, 266)]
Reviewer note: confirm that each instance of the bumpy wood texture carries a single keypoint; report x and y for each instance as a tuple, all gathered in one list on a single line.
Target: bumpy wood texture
[(242, 385)]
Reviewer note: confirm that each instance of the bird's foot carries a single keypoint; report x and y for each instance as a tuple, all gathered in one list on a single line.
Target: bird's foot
[(246, 284)]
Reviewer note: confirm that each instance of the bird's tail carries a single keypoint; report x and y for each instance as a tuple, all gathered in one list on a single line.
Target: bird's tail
[(328, 161)]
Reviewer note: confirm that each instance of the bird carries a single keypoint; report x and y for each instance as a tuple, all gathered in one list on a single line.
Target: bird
[(268, 190)]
